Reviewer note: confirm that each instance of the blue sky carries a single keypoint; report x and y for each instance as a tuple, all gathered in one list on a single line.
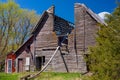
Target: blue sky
[(65, 8)]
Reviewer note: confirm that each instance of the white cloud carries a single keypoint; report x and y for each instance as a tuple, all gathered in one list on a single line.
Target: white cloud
[(102, 14)]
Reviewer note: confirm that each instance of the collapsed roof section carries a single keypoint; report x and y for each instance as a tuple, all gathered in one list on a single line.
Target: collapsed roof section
[(61, 26)]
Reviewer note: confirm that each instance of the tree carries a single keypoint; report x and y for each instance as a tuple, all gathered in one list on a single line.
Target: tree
[(16, 25), (104, 58)]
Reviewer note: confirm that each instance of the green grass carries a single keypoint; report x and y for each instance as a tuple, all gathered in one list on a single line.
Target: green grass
[(43, 76), (5, 76), (13, 76), (58, 76)]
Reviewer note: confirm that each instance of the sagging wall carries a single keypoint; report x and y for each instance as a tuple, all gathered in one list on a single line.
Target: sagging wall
[(21, 62), (83, 36), (86, 28)]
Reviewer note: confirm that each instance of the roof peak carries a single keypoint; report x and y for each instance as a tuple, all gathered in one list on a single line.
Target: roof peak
[(94, 15), (51, 9), (79, 4)]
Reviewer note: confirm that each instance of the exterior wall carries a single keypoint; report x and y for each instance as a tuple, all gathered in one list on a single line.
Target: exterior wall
[(64, 61), (11, 56), (32, 57), (23, 56), (82, 36), (46, 38), (75, 57), (86, 28)]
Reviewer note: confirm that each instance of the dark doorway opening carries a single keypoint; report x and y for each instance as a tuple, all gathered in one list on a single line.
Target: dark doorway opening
[(40, 62)]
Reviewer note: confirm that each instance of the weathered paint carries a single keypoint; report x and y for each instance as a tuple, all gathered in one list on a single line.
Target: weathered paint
[(10, 56)]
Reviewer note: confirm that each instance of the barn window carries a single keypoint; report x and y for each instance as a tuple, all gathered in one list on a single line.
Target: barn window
[(27, 64), (62, 40), (9, 65), (27, 61)]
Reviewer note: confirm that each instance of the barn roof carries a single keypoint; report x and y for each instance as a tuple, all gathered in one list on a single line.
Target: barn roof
[(31, 38), (62, 27), (94, 15), (39, 22), (23, 46)]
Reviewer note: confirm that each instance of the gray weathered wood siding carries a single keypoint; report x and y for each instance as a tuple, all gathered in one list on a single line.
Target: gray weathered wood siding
[(86, 28)]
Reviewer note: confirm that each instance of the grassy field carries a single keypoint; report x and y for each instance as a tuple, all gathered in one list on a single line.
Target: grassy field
[(43, 76), (59, 76), (4, 76)]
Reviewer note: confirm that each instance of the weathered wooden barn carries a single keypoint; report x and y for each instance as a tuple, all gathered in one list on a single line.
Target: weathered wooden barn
[(52, 31)]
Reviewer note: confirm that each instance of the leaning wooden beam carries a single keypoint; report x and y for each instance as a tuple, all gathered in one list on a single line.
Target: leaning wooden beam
[(25, 77), (33, 76), (63, 60)]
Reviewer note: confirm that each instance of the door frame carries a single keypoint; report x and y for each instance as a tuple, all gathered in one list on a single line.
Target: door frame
[(8, 66), (18, 64)]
